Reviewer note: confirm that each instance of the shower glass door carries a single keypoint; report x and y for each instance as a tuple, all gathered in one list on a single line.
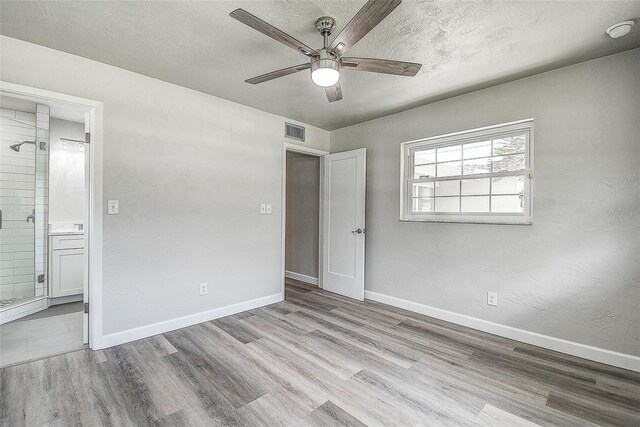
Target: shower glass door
[(23, 201)]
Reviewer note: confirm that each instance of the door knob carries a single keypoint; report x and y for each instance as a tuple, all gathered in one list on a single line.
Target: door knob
[(358, 231)]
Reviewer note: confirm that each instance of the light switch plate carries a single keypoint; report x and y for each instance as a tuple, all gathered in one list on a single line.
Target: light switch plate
[(263, 209), (269, 209), (113, 207)]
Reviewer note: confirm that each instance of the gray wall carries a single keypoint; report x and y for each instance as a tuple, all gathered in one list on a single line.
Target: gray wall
[(66, 173), (190, 171), (303, 192), (575, 273)]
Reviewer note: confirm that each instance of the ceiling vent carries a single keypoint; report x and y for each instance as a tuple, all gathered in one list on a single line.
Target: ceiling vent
[(293, 132)]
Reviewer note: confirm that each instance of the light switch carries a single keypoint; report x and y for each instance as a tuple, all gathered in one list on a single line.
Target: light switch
[(113, 207), (263, 209), (269, 209)]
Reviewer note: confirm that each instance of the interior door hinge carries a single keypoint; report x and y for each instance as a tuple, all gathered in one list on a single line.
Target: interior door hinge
[(87, 138), (86, 307)]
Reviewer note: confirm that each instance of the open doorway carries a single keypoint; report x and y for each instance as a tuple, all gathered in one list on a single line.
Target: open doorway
[(44, 155), (337, 239), (302, 216)]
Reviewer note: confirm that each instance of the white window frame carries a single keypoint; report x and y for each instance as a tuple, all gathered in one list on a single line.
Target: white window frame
[(465, 137)]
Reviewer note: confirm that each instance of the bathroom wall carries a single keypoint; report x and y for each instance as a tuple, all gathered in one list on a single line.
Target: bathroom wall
[(303, 204), (66, 174)]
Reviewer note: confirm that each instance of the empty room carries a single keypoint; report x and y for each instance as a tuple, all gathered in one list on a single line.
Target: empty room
[(320, 213)]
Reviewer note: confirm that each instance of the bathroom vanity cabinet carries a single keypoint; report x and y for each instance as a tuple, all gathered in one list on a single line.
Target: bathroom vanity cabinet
[(67, 265)]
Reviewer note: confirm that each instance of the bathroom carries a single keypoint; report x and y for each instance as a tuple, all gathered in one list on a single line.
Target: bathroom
[(43, 211)]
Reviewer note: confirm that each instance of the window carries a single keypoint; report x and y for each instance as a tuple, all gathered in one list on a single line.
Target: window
[(479, 176)]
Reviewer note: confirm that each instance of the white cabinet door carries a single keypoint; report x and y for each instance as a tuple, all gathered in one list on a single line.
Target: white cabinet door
[(68, 272)]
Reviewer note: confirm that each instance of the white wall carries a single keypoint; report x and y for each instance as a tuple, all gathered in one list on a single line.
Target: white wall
[(303, 214), (575, 273), (190, 171), (66, 173)]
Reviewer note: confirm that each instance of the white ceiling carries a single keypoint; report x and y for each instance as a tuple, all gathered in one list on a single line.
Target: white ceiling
[(463, 46)]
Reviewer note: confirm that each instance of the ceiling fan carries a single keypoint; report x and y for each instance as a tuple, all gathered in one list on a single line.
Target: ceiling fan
[(326, 63)]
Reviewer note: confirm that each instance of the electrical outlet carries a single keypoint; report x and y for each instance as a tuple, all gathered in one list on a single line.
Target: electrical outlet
[(492, 298), (204, 288), (269, 209), (263, 209)]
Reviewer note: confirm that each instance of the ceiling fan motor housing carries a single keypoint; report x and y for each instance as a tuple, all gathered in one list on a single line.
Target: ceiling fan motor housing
[(325, 59)]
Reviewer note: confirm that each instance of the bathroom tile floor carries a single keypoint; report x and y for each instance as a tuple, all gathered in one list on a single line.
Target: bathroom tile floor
[(55, 330)]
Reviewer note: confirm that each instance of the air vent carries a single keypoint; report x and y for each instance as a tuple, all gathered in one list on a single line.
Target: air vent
[(293, 132)]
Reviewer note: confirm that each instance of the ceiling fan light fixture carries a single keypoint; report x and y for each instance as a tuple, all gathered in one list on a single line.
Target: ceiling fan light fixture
[(325, 77), (325, 70), (325, 63)]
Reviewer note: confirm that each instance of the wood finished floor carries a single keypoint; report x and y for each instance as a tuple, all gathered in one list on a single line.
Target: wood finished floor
[(319, 359)]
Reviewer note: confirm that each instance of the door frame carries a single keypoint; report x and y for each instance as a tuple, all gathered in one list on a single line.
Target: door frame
[(93, 231), (294, 148)]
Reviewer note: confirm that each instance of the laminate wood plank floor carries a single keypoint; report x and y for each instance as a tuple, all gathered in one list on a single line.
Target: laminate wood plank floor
[(318, 359)]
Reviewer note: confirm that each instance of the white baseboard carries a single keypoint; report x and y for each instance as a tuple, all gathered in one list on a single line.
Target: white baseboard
[(621, 360), (301, 277), (181, 322), (67, 299)]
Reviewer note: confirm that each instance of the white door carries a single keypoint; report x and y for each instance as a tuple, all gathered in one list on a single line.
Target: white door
[(343, 225)]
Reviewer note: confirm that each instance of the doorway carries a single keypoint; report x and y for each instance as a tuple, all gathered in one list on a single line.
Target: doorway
[(302, 216), (302, 229), (47, 211), (337, 239)]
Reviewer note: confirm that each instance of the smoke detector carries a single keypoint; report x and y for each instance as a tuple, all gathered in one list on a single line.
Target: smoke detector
[(620, 29)]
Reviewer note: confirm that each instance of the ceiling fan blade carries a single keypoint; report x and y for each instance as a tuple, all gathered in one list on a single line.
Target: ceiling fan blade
[(271, 31), (371, 14), (385, 66), (334, 93), (275, 74)]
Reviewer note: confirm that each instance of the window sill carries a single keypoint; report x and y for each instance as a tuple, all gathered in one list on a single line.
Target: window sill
[(492, 221)]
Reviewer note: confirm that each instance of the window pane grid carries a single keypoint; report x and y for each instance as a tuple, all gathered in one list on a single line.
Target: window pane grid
[(454, 190), (493, 164), (479, 175)]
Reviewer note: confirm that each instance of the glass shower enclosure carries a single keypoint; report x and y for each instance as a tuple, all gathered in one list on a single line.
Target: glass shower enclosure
[(24, 143)]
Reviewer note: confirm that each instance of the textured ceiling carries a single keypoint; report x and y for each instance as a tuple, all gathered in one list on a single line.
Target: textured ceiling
[(464, 45)]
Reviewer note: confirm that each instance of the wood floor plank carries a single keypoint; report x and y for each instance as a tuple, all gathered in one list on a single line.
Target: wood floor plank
[(571, 362), (303, 346), (318, 358), (492, 416), (382, 349), (233, 327), (407, 396), (238, 386), (587, 409), (329, 414), (274, 409)]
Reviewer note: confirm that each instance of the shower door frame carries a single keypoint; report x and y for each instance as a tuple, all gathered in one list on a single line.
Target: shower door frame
[(93, 232)]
